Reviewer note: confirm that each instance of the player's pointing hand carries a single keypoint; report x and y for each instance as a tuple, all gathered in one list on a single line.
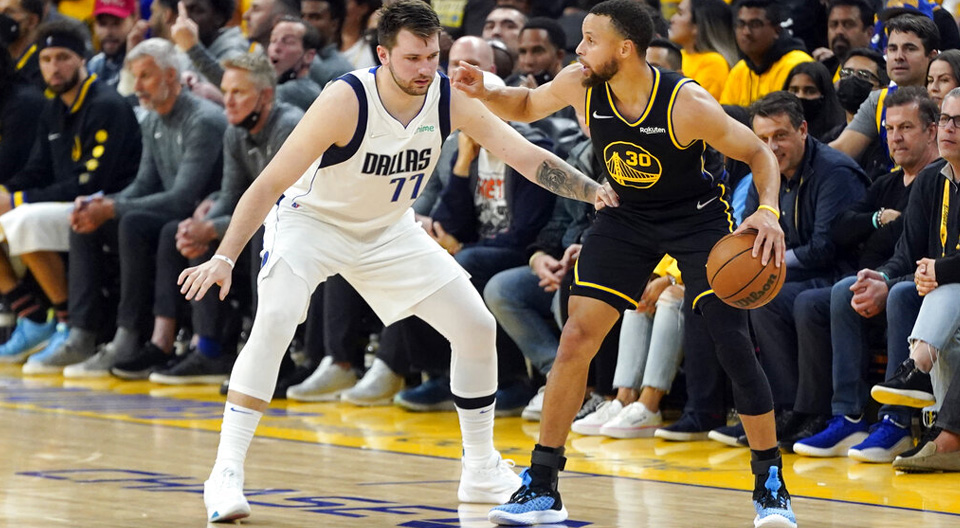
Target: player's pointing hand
[(194, 282), (469, 80)]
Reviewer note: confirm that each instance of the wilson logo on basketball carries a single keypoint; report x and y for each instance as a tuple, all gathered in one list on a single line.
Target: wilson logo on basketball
[(755, 296), (631, 165)]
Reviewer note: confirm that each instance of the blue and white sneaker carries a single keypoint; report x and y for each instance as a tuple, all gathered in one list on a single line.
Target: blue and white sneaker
[(529, 506), (28, 337), (887, 440), (772, 503), (841, 434)]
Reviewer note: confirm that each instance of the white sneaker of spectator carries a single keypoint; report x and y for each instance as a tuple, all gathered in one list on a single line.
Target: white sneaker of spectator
[(535, 407), (634, 421), (376, 387), (591, 423), (325, 384)]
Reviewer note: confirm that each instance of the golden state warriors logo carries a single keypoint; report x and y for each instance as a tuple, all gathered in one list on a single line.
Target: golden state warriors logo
[(631, 165)]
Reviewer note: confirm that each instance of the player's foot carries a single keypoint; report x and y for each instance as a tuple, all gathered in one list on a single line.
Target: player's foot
[(529, 506), (634, 421), (223, 495), (772, 503), (909, 386), (491, 483), (841, 434), (325, 384), (591, 423), (887, 440)]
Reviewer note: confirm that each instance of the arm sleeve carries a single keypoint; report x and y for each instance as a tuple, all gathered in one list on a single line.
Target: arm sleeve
[(202, 156), (550, 237), (948, 269), (236, 179), (916, 226), (855, 225), (16, 146), (455, 209), (205, 63), (835, 194), (39, 166)]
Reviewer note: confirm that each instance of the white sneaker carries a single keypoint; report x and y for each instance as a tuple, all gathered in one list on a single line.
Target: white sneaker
[(223, 495), (325, 384), (634, 421), (377, 387), (535, 407), (591, 423), (490, 484), (96, 366)]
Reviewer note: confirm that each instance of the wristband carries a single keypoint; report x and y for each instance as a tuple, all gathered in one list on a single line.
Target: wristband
[(875, 220), (771, 209), (224, 258), (880, 217)]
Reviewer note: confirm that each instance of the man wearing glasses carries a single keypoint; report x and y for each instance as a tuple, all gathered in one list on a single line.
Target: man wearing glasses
[(912, 43), (769, 53)]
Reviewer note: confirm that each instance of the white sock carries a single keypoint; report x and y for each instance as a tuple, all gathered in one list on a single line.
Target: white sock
[(476, 428), (236, 433)]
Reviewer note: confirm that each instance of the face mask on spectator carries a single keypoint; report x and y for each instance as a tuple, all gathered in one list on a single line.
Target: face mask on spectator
[(252, 118), (812, 107), (9, 30), (853, 91)]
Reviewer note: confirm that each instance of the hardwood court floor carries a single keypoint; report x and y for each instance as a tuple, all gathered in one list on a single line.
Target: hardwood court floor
[(109, 454)]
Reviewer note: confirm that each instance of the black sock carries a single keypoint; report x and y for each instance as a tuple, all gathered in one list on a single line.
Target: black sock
[(25, 304), (546, 474)]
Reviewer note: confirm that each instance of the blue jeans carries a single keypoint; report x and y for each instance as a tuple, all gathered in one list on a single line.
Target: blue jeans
[(937, 325), (649, 353), (850, 354), (523, 309)]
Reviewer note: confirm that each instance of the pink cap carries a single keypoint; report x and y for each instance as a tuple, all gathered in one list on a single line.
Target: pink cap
[(117, 8)]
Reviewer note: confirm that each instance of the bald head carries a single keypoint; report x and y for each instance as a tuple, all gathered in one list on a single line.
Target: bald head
[(473, 50)]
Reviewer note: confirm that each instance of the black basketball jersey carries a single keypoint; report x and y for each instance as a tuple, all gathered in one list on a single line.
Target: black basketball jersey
[(644, 161)]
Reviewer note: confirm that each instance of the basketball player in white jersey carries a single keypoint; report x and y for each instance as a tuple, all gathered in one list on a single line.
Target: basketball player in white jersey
[(336, 199)]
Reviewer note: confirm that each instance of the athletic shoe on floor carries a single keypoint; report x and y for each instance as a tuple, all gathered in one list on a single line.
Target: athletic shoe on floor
[(908, 386), (377, 387), (691, 426), (841, 434), (59, 353), (887, 440), (195, 369), (634, 421), (927, 459), (810, 425), (488, 484), (223, 495), (589, 405), (772, 503), (96, 366), (729, 435), (28, 338), (529, 506), (535, 407), (325, 384), (431, 395), (591, 423), (144, 362)]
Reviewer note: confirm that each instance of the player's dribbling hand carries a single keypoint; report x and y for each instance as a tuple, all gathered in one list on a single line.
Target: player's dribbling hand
[(469, 80), (194, 282), (606, 197), (769, 236)]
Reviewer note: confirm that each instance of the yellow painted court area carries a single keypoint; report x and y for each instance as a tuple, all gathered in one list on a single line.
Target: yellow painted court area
[(142, 427)]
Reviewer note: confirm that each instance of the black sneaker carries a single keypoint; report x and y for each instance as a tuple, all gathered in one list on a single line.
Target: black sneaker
[(691, 426), (729, 435), (808, 425), (195, 369), (908, 386), (139, 367)]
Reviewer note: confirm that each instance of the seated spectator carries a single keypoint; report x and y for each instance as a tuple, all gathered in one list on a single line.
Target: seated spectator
[(648, 359), (849, 26), (354, 45), (293, 46), (942, 19), (940, 450), (831, 183), (87, 140), (182, 158), (943, 75), (503, 24), (768, 53), (912, 44), (326, 16), (540, 51), (810, 82), (864, 71), (23, 18), (704, 29), (832, 344), (258, 126), (263, 15), (200, 31), (113, 20), (665, 55)]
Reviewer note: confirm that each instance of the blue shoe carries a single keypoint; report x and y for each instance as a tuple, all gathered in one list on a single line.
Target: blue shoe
[(887, 440), (691, 426), (431, 395), (512, 398), (836, 440), (529, 506), (729, 435), (28, 337), (772, 503)]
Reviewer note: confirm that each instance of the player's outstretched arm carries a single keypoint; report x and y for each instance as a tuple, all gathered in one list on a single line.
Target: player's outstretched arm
[(311, 138), (523, 104), (536, 164), (697, 115)]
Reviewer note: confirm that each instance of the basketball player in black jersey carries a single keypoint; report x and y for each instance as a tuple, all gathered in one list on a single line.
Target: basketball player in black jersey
[(650, 127)]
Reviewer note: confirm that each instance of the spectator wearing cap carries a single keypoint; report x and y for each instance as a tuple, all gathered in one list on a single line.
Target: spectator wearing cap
[(26, 16), (200, 33), (293, 46), (181, 163), (113, 20), (946, 25), (87, 141), (326, 16)]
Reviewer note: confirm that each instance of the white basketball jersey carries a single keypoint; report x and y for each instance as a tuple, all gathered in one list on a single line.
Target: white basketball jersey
[(371, 182)]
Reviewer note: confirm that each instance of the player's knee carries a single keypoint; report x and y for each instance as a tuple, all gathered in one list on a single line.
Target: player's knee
[(579, 342)]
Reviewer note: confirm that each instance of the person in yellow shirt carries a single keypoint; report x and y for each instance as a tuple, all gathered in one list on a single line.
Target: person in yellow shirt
[(704, 31), (769, 54)]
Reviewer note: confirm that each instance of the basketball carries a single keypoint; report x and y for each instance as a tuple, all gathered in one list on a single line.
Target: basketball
[(737, 278)]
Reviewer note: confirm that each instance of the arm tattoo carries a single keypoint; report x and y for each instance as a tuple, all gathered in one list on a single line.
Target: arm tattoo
[(570, 185)]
